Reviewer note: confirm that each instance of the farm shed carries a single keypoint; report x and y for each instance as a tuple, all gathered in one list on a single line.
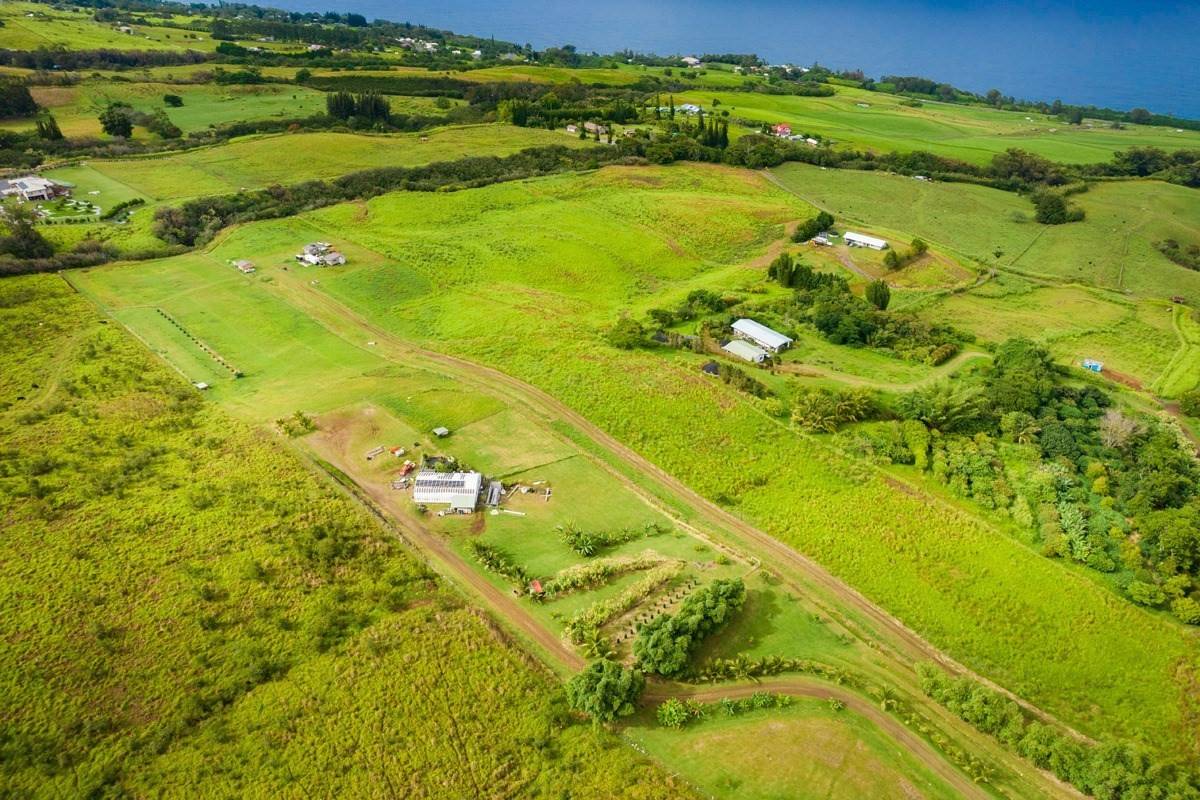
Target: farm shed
[(761, 335), (441, 432), (862, 240), (245, 267), (459, 490), (494, 493), (745, 351)]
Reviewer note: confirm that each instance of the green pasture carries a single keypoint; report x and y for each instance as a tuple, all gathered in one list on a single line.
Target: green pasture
[(254, 162), (1111, 248), (876, 121), (77, 108), (806, 751), (1045, 632), (74, 29)]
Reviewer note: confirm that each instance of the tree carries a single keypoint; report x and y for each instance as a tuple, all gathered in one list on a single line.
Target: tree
[(159, 124), (16, 101), (892, 260), (1022, 377), (339, 105), (627, 334), (879, 294), (23, 240), (115, 120), (605, 691), (1139, 116), (173, 100), (919, 247), (303, 75), (1189, 403), (47, 127)]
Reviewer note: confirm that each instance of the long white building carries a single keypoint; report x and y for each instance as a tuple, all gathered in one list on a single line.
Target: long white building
[(862, 240), (761, 335), (459, 490), (745, 351)]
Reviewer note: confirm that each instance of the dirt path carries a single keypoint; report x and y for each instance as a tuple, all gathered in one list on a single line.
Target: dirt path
[(806, 687), (904, 644)]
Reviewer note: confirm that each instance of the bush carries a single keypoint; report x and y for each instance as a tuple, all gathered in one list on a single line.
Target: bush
[(1189, 403), (173, 100), (672, 714)]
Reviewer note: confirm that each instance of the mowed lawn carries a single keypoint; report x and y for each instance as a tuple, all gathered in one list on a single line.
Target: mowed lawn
[(254, 162), (876, 121), (806, 752)]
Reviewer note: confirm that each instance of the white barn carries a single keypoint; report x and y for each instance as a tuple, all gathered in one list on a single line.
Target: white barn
[(459, 490), (745, 351), (862, 240), (761, 335)]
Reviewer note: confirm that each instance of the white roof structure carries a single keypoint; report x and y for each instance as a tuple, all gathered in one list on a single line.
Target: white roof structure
[(761, 335), (862, 240), (745, 351), (459, 490), (29, 187)]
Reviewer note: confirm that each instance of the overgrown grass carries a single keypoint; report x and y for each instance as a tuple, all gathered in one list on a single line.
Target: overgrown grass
[(186, 602)]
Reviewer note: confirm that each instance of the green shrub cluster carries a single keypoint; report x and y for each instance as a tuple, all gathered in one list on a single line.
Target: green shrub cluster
[(496, 560), (665, 644), (588, 622)]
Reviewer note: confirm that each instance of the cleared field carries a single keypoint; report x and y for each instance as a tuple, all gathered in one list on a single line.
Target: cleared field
[(1111, 248), (254, 162), (77, 108), (879, 122), (806, 751)]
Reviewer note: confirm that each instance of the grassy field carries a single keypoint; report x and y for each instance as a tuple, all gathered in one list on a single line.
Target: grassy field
[(875, 121), (29, 26), (254, 162), (185, 599), (806, 751), (77, 108), (497, 291), (1111, 248)]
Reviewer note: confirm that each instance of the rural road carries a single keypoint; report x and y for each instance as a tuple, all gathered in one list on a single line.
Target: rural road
[(804, 687)]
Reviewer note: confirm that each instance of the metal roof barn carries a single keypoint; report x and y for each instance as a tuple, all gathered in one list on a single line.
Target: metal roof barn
[(459, 490), (761, 335), (862, 240), (745, 351)]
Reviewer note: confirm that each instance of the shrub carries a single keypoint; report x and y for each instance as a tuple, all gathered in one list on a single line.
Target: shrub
[(672, 713), (665, 644)]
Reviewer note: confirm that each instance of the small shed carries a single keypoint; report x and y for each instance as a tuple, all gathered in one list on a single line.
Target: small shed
[(245, 267), (441, 432), (1093, 365), (495, 492)]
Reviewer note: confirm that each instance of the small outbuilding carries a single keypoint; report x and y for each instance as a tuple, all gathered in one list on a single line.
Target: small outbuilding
[(862, 240), (761, 335), (441, 432), (1093, 365), (245, 267), (459, 490), (745, 351)]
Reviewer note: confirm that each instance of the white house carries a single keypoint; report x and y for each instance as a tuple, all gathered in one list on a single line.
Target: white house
[(862, 240), (691, 61), (32, 187), (745, 351), (459, 490), (761, 335)]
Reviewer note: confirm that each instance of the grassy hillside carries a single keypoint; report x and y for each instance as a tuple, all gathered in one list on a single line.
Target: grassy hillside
[(186, 601), (1111, 248), (876, 121), (531, 298)]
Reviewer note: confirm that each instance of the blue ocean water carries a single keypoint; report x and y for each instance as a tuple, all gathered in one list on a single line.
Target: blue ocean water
[(1104, 52)]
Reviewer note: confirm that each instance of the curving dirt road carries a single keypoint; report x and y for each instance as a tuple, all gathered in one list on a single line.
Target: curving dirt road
[(806, 687)]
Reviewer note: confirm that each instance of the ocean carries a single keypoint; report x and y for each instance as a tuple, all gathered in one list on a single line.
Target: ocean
[(1116, 54)]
